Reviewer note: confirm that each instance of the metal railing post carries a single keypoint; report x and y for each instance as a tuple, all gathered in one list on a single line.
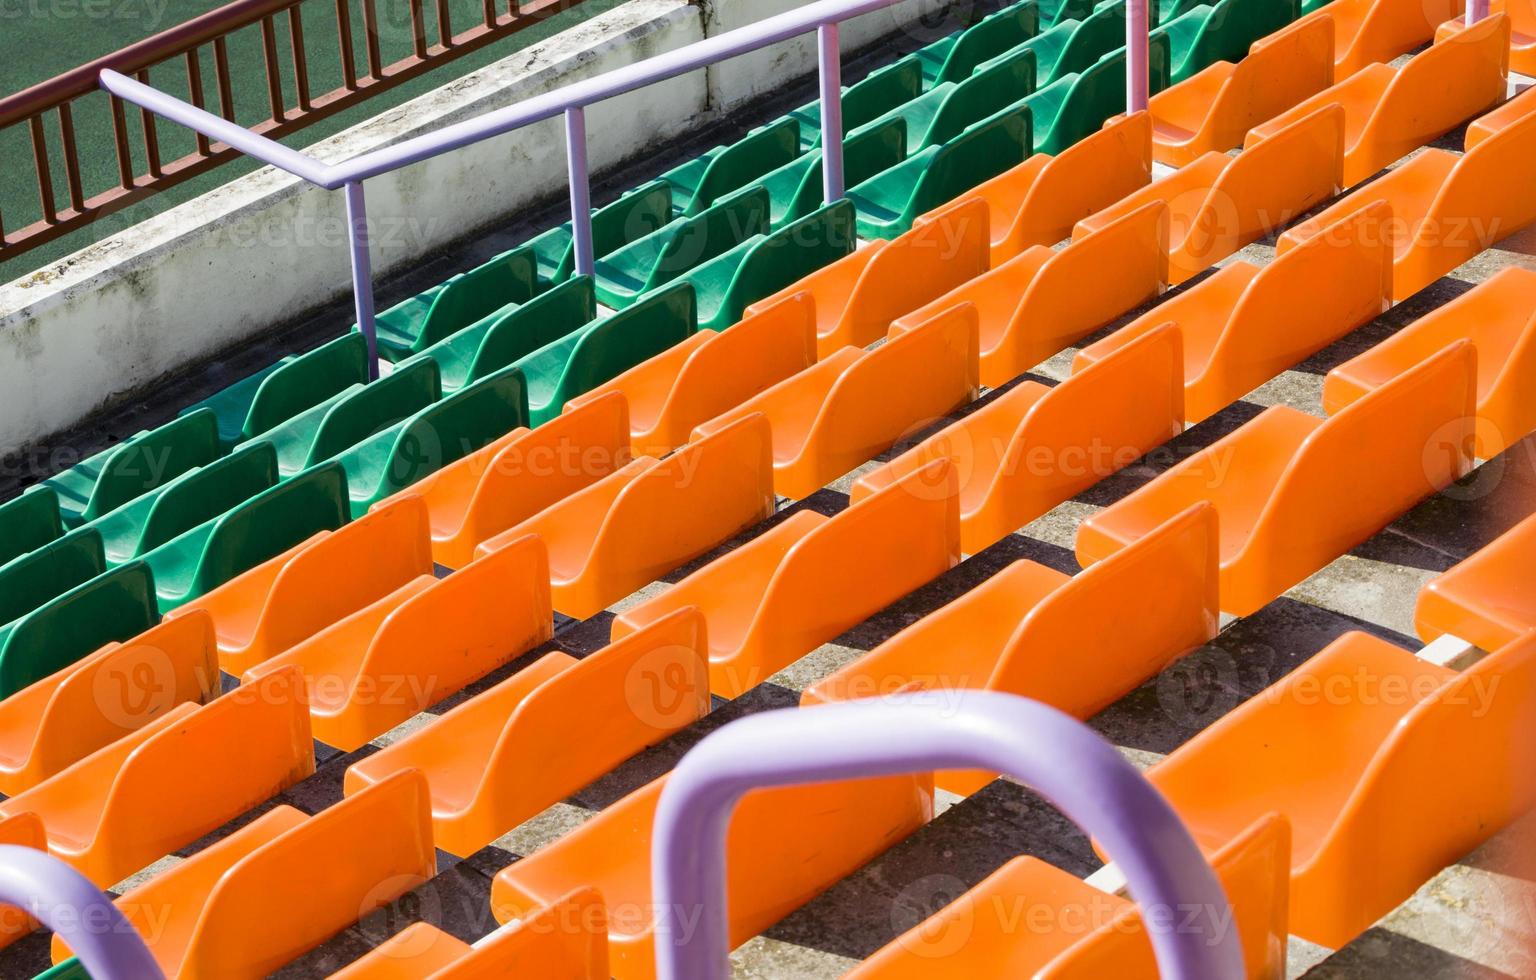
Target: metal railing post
[(362, 273), (830, 56), (1137, 63), (1476, 11), (581, 187)]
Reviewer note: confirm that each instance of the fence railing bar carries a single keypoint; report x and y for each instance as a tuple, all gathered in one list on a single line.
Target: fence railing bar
[(344, 38), (195, 92), (418, 29), (371, 38), (44, 171), (444, 25), (147, 125), (221, 78), (120, 145), (271, 67), (71, 158), (300, 62)]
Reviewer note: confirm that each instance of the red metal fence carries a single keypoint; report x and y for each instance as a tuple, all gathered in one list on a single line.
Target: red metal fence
[(140, 171)]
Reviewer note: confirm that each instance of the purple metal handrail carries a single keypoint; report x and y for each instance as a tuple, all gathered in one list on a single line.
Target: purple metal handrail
[(1083, 775), (822, 16), (62, 899)]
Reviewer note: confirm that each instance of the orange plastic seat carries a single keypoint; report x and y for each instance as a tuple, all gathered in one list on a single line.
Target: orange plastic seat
[(1044, 300), (173, 780), (857, 297), (1369, 31), (1035, 446), (119, 689), (1295, 492), (1220, 203), (784, 846), (283, 884), (22, 830), (1038, 201), (550, 729), (519, 475), (1490, 598), (1498, 119), (628, 529), (1242, 326), (1077, 643), (1446, 208), (1089, 934), (710, 373), (855, 404), (1345, 746), (1522, 37), (1391, 111), (565, 940), (1499, 317), (1215, 108), (290, 598), (798, 585), (376, 668)]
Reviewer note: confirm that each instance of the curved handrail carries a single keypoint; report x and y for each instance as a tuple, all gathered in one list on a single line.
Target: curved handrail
[(1084, 776), (62, 899)]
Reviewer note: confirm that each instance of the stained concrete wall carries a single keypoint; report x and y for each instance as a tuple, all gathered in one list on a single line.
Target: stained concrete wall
[(266, 248)]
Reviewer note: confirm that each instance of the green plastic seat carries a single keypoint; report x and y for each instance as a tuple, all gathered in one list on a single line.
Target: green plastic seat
[(48, 572), (889, 202), (280, 391), (353, 415), (1076, 45), (726, 286), (1223, 32), (268, 524), (601, 351), (70, 969), (481, 350), (424, 319), (1169, 10), (795, 189), (953, 58), (186, 502), (439, 434), (662, 256), (865, 101), (1053, 12), (944, 112), (114, 606), (138, 465), (29, 521), (635, 215), (717, 172), (1076, 105)]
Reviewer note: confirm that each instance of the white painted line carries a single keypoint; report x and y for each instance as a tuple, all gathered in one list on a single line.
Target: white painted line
[(1108, 879), (1451, 651)]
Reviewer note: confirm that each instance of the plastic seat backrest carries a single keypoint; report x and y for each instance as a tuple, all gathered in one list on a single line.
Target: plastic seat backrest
[(408, 389), (306, 381), (456, 426), (45, 573), (382, 841), (508, 278), (152, 460), (541, 321), (29, 521), (274, 521), (115, 606), (617, 343), (203, 495)]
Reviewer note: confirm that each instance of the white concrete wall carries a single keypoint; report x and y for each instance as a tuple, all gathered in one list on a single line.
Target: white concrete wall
[(266, 248)]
